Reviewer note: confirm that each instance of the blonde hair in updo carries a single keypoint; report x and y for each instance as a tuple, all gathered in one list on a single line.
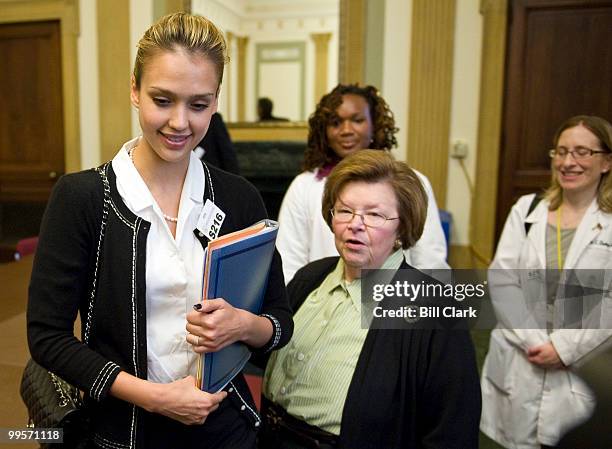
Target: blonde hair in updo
[(192, 33)]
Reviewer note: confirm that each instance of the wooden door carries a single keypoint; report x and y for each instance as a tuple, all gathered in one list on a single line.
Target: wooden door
[(31, 111), (559, 64)]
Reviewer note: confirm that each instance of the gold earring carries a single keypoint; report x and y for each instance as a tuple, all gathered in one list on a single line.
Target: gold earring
[(398, 244)]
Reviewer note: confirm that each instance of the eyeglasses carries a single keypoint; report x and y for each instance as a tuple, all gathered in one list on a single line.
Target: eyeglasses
[(577, 153), (370, 219)]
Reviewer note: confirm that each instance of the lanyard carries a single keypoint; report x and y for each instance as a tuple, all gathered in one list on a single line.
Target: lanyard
[(559, 252)]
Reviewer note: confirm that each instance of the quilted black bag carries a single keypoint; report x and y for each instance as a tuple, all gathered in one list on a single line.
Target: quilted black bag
[(54, 403)]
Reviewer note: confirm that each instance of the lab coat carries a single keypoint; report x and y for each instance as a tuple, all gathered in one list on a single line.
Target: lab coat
[(525, 406)]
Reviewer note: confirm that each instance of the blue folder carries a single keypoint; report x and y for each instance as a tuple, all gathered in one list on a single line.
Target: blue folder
[(239, 274)]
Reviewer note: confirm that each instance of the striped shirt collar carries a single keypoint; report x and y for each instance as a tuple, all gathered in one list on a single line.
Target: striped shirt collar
[(352, 289)]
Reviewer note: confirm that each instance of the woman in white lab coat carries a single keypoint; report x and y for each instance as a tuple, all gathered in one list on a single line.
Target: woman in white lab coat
[(531, 395)]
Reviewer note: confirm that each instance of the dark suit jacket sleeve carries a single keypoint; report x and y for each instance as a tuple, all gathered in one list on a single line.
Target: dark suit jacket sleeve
[(229, 160), (218, 146)]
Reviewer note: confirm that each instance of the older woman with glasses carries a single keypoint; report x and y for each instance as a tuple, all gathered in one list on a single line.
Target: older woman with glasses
[(531, 396), (340, 385)]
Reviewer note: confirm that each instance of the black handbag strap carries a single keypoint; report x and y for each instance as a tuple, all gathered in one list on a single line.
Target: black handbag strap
[(534, 203)]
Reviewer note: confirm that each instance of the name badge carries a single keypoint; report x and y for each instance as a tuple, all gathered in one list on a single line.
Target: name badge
[(210, 220), (534, 275)]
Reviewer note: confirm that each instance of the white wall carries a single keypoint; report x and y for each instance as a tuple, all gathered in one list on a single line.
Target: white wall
[(396, 67), (89, 104), (226, 15), (141, 18), (275, 22), (464, 114), (465, 95), (289, 30)]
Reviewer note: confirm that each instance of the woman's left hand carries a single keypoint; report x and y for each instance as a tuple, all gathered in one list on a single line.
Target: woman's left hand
[(216, 325), (545, 356)]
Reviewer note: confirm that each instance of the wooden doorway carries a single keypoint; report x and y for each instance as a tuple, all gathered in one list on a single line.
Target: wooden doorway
[(31, 123), (558, 64)]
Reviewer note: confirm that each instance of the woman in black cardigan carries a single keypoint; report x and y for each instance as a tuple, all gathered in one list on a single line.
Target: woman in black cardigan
[(123, 245), (339, 385)]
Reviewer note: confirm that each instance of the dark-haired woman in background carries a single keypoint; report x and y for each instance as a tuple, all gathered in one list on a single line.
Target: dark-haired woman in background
[(348, 119)]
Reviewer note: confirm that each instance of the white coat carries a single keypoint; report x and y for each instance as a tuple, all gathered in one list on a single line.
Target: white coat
[(525, 406)]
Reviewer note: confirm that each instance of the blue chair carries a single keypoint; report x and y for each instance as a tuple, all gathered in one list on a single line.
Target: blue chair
[(447, 220)]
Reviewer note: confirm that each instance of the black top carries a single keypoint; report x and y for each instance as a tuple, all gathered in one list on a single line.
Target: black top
[(416, 388), (91, 259), (218, 147)]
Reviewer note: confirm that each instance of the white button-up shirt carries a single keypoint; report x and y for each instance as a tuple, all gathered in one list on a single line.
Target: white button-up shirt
[(174, 266)]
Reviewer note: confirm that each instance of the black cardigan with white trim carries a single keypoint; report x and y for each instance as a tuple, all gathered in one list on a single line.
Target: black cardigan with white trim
[(91, 259)]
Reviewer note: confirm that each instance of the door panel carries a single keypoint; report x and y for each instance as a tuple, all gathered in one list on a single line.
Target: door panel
[(31, 111), (559, 64)]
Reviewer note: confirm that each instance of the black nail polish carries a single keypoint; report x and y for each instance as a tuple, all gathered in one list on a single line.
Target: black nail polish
[(197, 306)]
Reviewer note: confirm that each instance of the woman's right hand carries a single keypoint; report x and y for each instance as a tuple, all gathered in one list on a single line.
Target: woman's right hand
[(182, 401), (545, 356)]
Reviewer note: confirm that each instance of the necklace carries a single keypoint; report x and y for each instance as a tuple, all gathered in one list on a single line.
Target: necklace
[(167, 217)]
